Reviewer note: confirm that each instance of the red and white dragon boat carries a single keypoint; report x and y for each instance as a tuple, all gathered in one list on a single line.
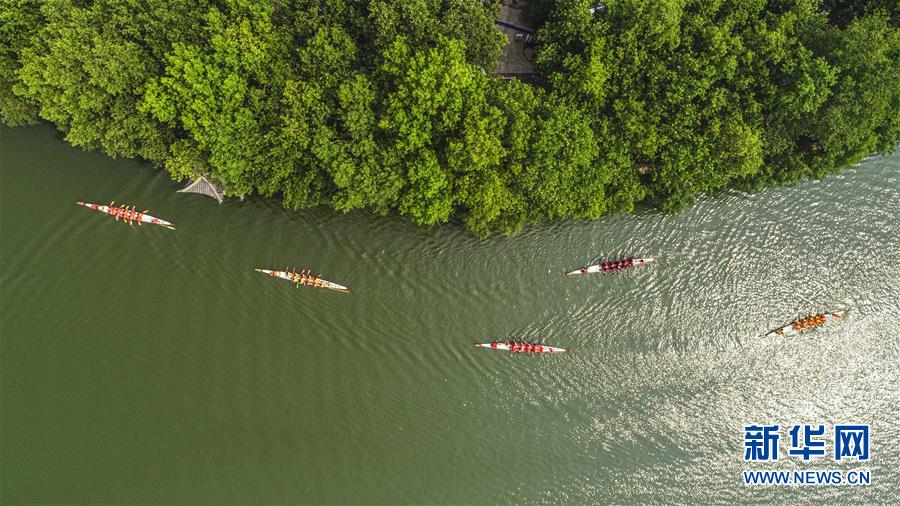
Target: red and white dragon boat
[(806, 323), (609, 266), (304, 278), (516, 347), (128, 214)]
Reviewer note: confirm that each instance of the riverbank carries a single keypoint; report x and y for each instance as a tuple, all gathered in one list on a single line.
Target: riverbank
[(386, 107)]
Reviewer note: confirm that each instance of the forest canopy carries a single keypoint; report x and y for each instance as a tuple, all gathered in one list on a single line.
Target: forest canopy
[(392, 105)]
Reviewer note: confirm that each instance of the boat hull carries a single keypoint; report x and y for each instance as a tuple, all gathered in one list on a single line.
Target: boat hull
[(305, 280), (128, 215), (595, 268), (538, 348), (792, 330)]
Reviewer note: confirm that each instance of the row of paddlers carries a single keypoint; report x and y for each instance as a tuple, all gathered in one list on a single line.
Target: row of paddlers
[(130, 215)]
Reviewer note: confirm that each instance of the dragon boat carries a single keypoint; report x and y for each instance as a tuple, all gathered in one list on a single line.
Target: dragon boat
[(128, 214), (516, 347), (806, 323), (609, 266), (304, 278)]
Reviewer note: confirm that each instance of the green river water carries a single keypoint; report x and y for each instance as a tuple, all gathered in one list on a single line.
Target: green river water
[(141, 365)]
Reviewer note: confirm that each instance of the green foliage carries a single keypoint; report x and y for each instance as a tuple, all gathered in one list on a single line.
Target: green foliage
[(702, 95), (87, 75), (19, 21), (423, 22), (219, 90), (860, 116), (842, 12), (388, 105)]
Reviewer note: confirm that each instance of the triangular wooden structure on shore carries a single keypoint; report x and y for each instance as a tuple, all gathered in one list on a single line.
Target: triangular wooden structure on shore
[(204, 186)]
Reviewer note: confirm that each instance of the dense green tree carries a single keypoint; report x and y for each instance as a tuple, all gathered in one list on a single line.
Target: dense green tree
[(389, 105), (422, 23), (87, 65), (19, 21), (420, 124), (222, 90), (704, 95), (86, 73), (860, 116), (660, 79), (842, 12), (829, 99)]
